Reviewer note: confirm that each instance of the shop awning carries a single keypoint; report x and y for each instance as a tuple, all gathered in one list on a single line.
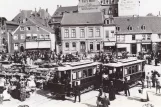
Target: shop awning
[(38, 45), (109, 43)]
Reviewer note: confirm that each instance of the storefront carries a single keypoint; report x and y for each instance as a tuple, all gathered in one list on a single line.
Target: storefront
[(109, 46)]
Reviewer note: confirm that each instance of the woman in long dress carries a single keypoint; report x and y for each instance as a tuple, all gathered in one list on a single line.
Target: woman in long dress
[(112, 92)]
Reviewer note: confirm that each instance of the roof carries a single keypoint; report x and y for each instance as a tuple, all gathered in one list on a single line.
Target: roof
[(82, 18), (152, 24), (121, 64), (67, 9), (11, 22)]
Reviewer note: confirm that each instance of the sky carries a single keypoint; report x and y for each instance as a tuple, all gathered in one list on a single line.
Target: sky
[(10, 8)]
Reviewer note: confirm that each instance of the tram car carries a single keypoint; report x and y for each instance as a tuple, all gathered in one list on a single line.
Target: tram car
[(66, 77), (131, 69)]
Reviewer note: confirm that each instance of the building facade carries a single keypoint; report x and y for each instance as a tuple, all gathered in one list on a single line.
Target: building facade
[(84, 34)]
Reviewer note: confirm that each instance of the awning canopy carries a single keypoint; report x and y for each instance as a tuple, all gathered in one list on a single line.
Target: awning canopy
[(40, 45), (109, 43)]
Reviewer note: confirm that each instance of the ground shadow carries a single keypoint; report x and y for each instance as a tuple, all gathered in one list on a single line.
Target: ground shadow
[(44, 93), (89, 105)]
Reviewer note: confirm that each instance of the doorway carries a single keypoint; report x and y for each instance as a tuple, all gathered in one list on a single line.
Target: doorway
[(133, 48), (82, 47)]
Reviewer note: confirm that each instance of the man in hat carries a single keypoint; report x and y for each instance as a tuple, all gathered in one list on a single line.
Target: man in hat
[(77, 92)]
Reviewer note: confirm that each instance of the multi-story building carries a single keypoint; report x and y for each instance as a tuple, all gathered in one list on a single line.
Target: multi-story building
[(135, 34), (33, 31), (83, 34)]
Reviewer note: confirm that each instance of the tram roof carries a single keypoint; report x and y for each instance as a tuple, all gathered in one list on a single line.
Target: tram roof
[(123, 63), (69, 67)]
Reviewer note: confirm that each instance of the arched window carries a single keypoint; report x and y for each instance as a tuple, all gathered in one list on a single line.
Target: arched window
[(74, 46), (66, 46)]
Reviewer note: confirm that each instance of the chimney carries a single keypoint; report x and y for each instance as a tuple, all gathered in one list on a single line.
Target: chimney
[(35, 10), (159, 13), (47, 10), (57, 6)]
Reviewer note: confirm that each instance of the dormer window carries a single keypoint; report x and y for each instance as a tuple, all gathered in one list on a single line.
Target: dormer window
[(130, 28), (143, 27), (117, 28), (107, 21)]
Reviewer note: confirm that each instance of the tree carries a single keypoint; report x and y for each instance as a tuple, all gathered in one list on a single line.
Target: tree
[(150, 14)]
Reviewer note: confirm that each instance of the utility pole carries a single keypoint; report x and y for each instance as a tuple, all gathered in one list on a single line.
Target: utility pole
[(116, 46)]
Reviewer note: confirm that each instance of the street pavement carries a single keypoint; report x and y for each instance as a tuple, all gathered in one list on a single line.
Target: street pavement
[(44, 99)]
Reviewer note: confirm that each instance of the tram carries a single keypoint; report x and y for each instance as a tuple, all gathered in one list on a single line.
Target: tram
[(131, 69), (66, 76)]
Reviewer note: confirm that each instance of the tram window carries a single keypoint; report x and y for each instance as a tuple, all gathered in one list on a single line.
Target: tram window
[(126, 71), (79, 74), (84, 73), (133, 69), (129, 70), (136, 68), (74, 76), (89, 72)]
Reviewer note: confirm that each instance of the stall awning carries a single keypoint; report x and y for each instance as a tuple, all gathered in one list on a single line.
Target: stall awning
[(109, 43), (39, 45)]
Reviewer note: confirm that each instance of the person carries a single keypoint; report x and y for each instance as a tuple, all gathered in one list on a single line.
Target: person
[(112, 92), (148, 78), (126, 86), (99, 101), (153, 78), (77, 92), (106, 101), (157, 85)]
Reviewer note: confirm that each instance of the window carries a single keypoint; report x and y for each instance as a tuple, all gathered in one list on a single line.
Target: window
[(16, 45), (38, 28), (82, 33), (28, 36), (15, 37), (116, 10), (22, 36), (85, 73), (144, 37), (98, 32), (159, 36), (110, 11), (66, 35), (107, 34), (42, 36), (112, 32), (91, 46), (73, 33), (47, 36), (90, 32), (130, 28), (107, 22), (34, 36), (74, 46), (118, 28), (22, 28), (149, 37), (143, 27), (98, 46), (67, 46), (28, 28), (133, 37), (121, 38), (90, 72)]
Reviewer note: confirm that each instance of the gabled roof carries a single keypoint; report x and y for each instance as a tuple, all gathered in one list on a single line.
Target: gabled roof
[(23, 14), (82, 18), (152, 24), (59, 12)]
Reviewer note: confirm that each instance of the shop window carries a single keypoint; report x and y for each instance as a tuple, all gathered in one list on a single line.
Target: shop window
[(90, 72)]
